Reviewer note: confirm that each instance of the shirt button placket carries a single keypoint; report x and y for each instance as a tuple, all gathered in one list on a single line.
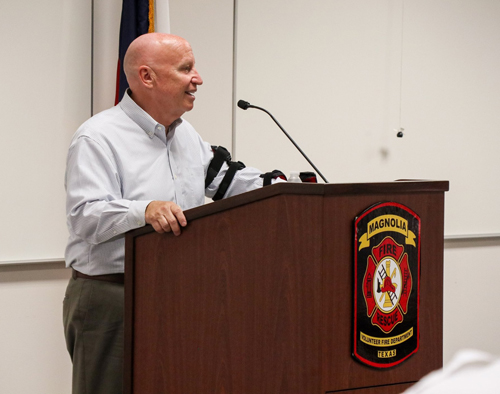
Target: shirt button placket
[(173, 171)]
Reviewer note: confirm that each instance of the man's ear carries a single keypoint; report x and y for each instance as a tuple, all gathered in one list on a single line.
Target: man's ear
[(147, 76)]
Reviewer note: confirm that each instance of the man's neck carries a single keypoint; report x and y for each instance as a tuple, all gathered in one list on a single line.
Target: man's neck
[(158, 114)]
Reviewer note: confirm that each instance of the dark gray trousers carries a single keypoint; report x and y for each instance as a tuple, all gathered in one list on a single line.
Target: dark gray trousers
[(93, 327)]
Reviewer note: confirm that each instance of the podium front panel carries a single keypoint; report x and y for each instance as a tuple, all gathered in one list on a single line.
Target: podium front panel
[(256, 295)]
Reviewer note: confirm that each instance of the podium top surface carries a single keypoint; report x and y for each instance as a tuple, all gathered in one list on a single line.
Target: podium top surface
[(330, 189)]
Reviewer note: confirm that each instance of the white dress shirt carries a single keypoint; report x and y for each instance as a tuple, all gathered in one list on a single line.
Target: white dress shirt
[(118, 162)]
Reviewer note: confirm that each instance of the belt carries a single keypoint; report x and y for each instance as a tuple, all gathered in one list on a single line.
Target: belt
[(115, 278)]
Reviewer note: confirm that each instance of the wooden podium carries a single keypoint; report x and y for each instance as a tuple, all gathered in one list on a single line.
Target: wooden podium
[(256, 295)]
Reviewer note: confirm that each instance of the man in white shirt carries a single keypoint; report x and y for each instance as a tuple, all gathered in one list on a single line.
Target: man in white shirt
[(137, 163)]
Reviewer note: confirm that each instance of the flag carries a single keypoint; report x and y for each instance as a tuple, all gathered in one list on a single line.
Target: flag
[(138, 17)]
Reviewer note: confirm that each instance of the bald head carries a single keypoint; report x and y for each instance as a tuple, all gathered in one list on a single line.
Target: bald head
[(161, 73), (148, 50)]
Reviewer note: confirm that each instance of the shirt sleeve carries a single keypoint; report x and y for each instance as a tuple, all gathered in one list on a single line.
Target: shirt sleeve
[(95, 208)]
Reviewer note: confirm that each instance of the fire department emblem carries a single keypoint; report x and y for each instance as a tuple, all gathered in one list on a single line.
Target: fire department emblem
[(386, 288)]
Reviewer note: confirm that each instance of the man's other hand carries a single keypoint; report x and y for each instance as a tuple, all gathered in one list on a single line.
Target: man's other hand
[(165, 216)]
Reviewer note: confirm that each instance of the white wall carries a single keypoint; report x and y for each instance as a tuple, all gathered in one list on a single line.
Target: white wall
[(33, 352), (45, 95), (34, 359), (471, 294), (343, 76), (45, 70)]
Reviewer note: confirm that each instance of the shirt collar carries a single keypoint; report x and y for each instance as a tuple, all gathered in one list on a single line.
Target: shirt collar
[(144, 120)]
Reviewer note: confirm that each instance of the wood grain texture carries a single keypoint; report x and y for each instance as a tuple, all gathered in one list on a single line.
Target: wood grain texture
[(256, 297)]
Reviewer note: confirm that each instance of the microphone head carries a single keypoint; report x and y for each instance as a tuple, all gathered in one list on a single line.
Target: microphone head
[(243, 104)]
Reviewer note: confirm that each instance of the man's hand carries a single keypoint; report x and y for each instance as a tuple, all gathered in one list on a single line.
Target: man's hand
[(165, 216)]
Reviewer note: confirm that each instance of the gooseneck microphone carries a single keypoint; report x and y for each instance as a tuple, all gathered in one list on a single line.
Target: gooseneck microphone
[(245, 105)]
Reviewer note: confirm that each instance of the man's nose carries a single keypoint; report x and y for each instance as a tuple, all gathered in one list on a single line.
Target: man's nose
[(197, 78)]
